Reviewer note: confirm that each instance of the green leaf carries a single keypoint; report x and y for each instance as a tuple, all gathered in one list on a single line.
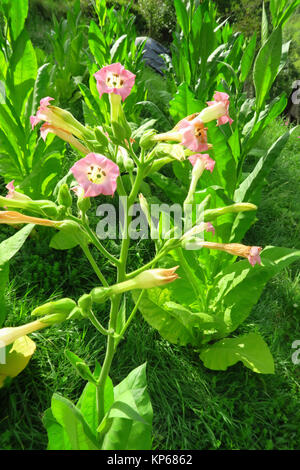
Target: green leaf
[(224, 173), (264, 25), (4, 278), (63, 241), (266, 66), (23, 70), (247, 59), (251, 349), (170, 325), (288, 12), (18, 11), (57, 436), (69, 236), (184, 103), (156, 113), (129, 420), (10, 246), (87, 403), (80, 366), (251, 187), (182, 16), (239, 286), (71, 419), (97, 44), (40, 86)]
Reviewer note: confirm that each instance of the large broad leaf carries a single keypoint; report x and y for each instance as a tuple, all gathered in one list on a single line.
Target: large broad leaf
[(70, 418), (128, 424), (239, 286), (266, 66), (177, 323), (184, 103), (57, 436), (16, 358), (250, 349)]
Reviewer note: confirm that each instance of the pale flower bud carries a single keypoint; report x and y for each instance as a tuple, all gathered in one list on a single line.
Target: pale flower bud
[(147, 279)]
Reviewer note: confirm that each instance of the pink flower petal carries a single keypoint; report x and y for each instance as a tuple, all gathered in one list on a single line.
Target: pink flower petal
[(96, 174), (11, 189), (34, 120), (44, 130), (115, 79), (209, 162), (210, 228), (220, 96), (254, 255), (194, 135)]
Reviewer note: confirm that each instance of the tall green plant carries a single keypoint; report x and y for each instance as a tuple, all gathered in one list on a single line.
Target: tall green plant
[(23, 157)]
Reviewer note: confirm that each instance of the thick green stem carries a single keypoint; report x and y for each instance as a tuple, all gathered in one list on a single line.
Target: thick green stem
[(115, 300), (110, 349)]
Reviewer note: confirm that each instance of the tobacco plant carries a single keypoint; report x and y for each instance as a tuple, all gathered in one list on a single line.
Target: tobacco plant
[(194, 291)]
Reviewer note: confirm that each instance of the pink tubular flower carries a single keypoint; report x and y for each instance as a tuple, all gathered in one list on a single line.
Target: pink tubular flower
[(252, 253), (96, 174), (193, 134), (42, 112), (115, 79), (220, 97), (208, 162)]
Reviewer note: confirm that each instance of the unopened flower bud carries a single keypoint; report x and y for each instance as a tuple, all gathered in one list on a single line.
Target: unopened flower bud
[(54, 318), (100, 294), (147, 141), (211, 214), (58, 306), (85, 303), (146, 280), (124, 161), (64, 196)]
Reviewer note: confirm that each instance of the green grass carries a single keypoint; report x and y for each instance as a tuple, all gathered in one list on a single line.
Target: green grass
[(194, 408)]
